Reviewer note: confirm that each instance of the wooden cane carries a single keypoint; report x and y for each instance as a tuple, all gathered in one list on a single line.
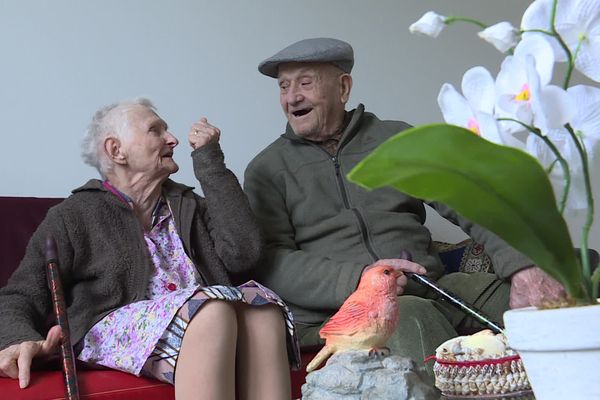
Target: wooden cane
[(60, 313)]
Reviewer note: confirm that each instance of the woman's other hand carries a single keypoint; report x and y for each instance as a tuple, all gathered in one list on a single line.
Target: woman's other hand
[(202, 133), (15, 360)]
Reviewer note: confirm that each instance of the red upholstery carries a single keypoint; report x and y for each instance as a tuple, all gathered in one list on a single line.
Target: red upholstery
[(20, 216), (96, 385)]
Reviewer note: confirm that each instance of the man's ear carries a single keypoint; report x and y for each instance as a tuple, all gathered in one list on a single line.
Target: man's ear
[(114, 150), (345, 87)]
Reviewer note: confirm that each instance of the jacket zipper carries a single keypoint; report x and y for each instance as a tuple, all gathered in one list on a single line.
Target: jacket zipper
[(359, 217)]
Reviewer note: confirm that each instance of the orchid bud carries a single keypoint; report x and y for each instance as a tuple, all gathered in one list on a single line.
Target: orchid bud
[(502, 36), (430, 24)]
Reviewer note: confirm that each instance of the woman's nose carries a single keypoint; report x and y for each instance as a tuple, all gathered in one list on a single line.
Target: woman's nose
[(171, 139)]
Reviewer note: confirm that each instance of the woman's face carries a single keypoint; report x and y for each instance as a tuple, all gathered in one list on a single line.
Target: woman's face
[(148, 145)]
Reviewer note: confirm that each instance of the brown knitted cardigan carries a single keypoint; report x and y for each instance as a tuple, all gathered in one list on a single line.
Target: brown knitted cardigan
[(103, 258)]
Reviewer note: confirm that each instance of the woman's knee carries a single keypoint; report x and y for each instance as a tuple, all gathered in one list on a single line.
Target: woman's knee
[(214, 316), (265, 321), (268, 314)]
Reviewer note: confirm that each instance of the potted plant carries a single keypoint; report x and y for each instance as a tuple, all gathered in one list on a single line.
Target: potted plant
[(506, 141)]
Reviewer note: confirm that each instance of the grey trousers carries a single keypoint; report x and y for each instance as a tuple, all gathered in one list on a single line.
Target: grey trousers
[(427, 322)]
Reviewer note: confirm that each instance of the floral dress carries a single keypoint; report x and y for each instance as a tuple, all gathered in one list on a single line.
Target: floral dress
[(145, 336)]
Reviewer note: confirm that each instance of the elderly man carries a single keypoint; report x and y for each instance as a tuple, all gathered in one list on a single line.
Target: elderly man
[(323, 232)]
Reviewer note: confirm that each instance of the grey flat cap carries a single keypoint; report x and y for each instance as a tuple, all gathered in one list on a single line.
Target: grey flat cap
[(325, 50)]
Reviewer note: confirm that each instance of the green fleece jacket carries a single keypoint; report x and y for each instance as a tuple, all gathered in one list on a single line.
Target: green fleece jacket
[(103, 258), (321, 230)]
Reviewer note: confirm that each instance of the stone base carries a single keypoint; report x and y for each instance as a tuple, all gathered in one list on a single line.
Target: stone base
[(354, 375)]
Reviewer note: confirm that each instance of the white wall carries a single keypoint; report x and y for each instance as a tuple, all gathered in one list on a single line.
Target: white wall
[(62, 59)]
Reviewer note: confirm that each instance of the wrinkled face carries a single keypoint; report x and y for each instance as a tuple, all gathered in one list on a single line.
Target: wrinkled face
[(147, 143), (312, 98)]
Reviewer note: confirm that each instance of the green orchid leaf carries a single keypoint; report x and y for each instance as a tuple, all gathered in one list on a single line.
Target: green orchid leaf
[(500, 188)]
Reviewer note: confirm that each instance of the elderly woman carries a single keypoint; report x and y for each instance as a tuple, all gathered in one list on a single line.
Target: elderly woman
[(146, 267)]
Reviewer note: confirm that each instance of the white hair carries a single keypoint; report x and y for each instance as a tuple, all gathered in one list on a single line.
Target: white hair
[(107, 122)]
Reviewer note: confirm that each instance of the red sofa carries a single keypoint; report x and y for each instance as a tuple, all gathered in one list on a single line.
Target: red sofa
[(20, 216)]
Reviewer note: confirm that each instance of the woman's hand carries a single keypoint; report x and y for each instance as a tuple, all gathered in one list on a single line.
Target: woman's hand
[(202, 133), (400, 265), (15, 360)]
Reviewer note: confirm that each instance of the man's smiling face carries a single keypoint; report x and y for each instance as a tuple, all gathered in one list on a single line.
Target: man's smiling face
[(312, 99)]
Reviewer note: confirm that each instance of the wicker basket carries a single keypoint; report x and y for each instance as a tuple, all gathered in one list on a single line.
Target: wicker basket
[(502, 376)]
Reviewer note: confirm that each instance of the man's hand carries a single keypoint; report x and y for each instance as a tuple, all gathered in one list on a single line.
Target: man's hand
[(202, 133), (533, 287), (15, 360), (401, 266)]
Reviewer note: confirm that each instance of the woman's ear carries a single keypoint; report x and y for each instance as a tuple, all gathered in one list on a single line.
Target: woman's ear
[(114, 150), (345, 87)]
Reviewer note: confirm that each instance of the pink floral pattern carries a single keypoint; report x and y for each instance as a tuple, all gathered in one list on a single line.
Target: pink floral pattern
[(125, 338)]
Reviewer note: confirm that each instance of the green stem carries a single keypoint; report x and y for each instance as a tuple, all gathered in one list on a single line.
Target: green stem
[(559, 158), (585, 257), (570, 59), (450, 20), (553, 33)]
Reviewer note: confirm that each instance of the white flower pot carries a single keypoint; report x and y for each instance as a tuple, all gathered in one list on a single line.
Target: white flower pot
[(560, 349)]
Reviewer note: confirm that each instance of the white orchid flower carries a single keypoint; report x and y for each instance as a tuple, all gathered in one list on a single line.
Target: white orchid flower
[(503, 35), (430, 24), (474, 110), (578, 23), (523, 92), (586, 124)]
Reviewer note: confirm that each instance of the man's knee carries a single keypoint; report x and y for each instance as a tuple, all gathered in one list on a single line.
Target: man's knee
[(421, 328)]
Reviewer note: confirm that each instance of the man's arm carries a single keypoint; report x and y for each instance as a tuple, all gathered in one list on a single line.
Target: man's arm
[(529, 284), (505, 259)]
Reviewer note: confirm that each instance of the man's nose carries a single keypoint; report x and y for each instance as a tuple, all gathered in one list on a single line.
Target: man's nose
[(294, 95)]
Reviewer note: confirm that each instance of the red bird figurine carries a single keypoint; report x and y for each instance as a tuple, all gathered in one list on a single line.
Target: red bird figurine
[(367, 318)]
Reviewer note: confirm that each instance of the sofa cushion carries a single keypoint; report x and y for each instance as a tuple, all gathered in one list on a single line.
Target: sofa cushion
[(466, 256), (93, 385)]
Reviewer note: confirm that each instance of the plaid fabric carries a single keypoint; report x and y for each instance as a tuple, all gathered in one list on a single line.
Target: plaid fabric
[(163, 360)]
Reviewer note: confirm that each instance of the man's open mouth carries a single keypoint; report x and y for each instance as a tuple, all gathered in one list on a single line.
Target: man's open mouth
[(302, 112)]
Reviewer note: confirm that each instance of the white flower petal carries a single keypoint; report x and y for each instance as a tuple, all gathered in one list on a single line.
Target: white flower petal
[(537, 16), (556, 106), (575, 20), (512, 76), (430, 24), (478, 88), (454, 106), (502, 35), (541, 50), (588, 59), (515, 83), (488, 128), (587, 118)]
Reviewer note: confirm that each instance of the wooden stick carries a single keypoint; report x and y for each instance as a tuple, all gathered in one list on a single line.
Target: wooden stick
[(60, 313)]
